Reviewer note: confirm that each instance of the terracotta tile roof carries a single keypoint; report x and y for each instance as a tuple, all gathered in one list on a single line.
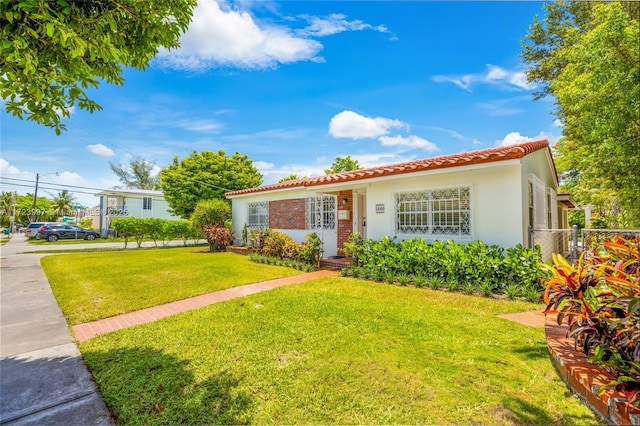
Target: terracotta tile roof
[(489, 155)]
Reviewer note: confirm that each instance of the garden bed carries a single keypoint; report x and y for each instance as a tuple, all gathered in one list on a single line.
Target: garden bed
[(585, 378)]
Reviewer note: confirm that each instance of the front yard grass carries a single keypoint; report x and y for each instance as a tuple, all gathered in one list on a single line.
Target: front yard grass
[(335, 351), (91, 286)]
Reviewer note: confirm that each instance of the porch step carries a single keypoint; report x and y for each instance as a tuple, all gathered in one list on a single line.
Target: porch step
[(334, 263)]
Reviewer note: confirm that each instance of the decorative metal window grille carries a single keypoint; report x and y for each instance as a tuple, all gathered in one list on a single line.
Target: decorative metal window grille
[(321, 212), (258, 215), (434, 212), (146, 203)]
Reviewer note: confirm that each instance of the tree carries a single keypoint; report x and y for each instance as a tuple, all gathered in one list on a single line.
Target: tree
[(586, 55), (63, 203), (138, 174), (205, 175), (292, 176), (7, 200), (343, 164), (52, 51)]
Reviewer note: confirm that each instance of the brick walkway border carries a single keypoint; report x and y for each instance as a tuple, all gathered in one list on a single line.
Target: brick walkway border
[(89, 330), (584, 378)]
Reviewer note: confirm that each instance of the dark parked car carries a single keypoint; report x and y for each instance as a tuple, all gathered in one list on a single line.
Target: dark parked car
[(32, 229), (57, 232)]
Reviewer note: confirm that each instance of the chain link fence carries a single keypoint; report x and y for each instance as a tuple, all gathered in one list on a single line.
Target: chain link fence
[(570, 243)]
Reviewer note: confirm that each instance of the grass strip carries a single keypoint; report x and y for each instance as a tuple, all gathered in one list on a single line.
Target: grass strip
[(335, 351), (90, 286)]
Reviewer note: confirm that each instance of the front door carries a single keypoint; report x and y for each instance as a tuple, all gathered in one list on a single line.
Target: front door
[(322, 219), (360, 214)]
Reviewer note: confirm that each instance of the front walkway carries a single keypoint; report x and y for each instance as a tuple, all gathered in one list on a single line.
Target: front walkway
[(89, 330)]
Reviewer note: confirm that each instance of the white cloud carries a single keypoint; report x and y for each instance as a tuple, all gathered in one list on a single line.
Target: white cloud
[(349, 124), (557, 123), (409, 142), (6, 169), (223, 36), (263, 165), (515, 138), (198, 125), (334, 24), (493, 75), (101, 150)]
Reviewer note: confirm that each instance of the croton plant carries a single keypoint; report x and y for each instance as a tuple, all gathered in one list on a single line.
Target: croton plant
[(599, 297)]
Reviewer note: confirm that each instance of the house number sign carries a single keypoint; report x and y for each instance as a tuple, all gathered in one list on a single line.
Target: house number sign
[(379, 208)]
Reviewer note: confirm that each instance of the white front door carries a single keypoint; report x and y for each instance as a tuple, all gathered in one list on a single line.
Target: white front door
[(360, 214), (322, 219)]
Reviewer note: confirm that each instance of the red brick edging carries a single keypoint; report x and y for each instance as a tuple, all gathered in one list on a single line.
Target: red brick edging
[(585, 378), (86, 331)]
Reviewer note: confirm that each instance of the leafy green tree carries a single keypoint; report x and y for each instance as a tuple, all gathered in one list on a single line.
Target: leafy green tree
[(203, 176), (63, 203), (292, 176), (52, 51), (138, 174), (343, 164), (586, 55), (25, 212)]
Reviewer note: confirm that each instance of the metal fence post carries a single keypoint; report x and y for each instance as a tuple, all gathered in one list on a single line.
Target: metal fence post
[(574, 250)]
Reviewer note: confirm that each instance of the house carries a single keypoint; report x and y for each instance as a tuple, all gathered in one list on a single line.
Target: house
[(129, 203), (493, 195)]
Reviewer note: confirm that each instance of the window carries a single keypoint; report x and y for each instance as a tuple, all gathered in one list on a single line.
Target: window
[(321, 212), (146, 203), (434, 212), (258, 215), (539, 203)]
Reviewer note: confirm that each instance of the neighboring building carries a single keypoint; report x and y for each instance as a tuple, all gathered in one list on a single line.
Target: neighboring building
[(492, 195), (129, 203)]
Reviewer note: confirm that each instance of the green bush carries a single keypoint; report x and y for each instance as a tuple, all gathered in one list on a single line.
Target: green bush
[(278, 245), (218, 237), (473, 267), (210, 213)]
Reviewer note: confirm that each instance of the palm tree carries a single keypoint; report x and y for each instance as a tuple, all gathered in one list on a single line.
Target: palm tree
[(63, 203), (7, 201)]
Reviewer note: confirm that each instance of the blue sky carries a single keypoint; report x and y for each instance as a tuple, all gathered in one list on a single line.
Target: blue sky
[(294, 84)]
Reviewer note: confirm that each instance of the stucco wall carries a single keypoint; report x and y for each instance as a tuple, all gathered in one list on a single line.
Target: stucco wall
[(499, 200), (495, 202)]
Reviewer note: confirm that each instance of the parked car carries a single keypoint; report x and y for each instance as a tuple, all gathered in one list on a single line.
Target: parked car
[(32, 229), (60, 231)]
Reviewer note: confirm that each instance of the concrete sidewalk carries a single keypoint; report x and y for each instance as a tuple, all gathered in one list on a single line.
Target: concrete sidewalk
[(43, 379)]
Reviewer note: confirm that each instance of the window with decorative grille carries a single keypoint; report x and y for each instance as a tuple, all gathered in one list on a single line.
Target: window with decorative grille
[(258, 215), (445, 211)]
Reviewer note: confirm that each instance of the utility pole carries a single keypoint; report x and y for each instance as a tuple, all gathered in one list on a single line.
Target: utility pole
[(34, 216)]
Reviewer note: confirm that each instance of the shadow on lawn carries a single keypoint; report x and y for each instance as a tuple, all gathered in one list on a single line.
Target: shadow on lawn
[(518, 411), (148, 386)]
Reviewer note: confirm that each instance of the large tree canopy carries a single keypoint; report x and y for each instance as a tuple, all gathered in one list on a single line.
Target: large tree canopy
[(51, 51), (587, 55), (205, 175), (138, 174), (343, 164)]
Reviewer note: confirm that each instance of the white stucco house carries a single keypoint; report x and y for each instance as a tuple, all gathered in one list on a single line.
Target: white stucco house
[(129, 203), (492, 195)]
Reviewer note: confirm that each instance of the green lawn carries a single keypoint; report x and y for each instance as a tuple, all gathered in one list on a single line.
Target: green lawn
[(90, 286), (335, 351)]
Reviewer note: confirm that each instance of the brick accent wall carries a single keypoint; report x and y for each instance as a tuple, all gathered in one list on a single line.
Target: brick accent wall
[(287, 214), (345, 226)]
